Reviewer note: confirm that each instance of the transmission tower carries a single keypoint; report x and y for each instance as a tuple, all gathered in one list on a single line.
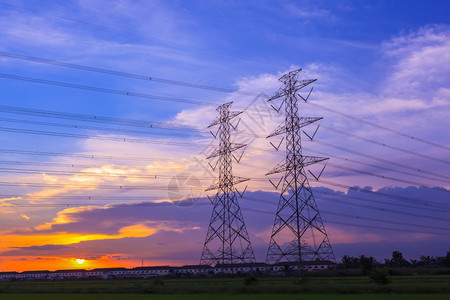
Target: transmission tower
[(227, 240), (298, 232)]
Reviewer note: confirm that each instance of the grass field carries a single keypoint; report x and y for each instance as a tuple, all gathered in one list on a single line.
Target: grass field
[(284, 288), (227, 297)]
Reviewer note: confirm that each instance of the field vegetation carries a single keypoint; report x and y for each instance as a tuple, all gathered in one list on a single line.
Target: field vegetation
[(227, 297), (354, 278), (428, 284)]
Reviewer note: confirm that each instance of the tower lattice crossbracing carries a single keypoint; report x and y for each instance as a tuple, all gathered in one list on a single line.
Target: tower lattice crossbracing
[(227, 240), (298, 232)]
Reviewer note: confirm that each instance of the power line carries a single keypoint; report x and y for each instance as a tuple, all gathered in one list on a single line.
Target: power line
[(358, 225), (122, 205), (64, 165), (386, 145), (379, 126), (105, 90), (356, 217), (376, 166), (115, 92), (382, 220), (422, 207), (109, 157), (78, 155), (388, 210), (120, 121), (384, 228), (127, 93), (96, 119), (428, 205), (94, 174), (378, 159), (123, 74), (186, 84), (89, 186), (106, 138), (395, 197), (127, 122), (181, 203), (159, 176), (95, 156), (17, 197), (115, 130), (379, 176), (80, 197), (439, 176), (100, 119), (130, 122), (117, 139), (99, 137)]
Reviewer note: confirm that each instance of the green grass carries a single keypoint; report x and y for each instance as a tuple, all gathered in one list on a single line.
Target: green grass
[(227, 297), (429, 284)]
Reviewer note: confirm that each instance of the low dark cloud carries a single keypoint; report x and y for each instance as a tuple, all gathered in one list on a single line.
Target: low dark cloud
[(46, 250), (358, 222)]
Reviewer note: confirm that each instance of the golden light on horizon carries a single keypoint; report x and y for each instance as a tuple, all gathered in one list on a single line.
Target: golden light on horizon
[(80, 261)]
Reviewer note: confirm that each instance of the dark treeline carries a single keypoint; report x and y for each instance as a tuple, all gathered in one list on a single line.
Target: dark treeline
[(397, 264)]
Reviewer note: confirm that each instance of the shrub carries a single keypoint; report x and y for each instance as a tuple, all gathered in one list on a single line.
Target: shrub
[(379, 276), (158, 281), (249, 280)]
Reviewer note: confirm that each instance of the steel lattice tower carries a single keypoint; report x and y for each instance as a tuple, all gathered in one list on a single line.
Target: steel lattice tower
[(298, 232), (227, 240)]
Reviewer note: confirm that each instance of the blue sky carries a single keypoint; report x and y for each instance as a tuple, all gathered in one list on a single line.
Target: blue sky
[(384, 62)]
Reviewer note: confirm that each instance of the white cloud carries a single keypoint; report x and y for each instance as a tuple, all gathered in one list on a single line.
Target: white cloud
[(420, 62), (198, 118), (308, 13)]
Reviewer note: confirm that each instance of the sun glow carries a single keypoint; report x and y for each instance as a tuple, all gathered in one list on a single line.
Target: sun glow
[(80, 261)]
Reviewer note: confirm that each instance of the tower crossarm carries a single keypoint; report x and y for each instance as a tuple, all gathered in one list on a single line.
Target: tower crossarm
[(302, 162), (303, 121), (224, 118), (302, 83), (290, 76), (236, 180), (280, 93), (233, 147), (298, 85)]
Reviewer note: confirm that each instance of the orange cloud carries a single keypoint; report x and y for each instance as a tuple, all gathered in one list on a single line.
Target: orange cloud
[(63, 238), (25, 216), (20, 264)]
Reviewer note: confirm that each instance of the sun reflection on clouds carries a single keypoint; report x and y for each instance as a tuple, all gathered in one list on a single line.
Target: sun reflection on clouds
[(46, 193), (25, 216), (64, 217), (50, 234), (64, 238), (49, 179)]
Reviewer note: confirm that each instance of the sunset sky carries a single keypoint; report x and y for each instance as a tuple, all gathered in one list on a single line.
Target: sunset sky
[(105, 107)]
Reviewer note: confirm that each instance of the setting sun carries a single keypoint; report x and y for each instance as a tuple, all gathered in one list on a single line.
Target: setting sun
[(80, 261)]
